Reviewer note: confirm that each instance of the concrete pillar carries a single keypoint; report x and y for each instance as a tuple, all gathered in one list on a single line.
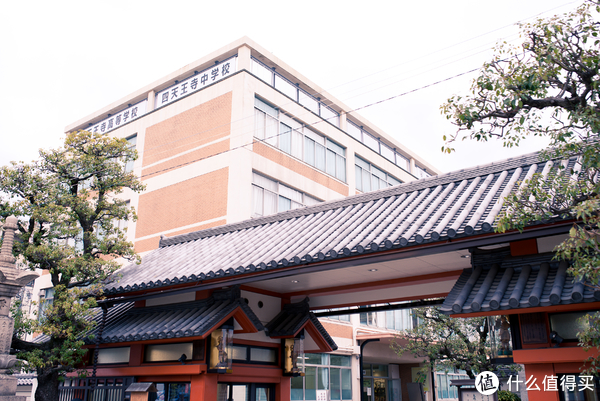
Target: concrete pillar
[(151, 101), (412, 166), (244, 61)]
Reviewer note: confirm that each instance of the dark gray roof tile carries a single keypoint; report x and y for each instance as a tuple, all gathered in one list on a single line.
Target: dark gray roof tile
[(458, 204)]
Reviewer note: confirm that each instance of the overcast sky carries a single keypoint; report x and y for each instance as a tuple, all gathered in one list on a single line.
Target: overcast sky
[(62, 60)]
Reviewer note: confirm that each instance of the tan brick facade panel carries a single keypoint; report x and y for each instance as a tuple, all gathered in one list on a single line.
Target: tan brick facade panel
[(152, 243), (337, 330), (300, 168), (192, 201), (169, 165), (192, 128)]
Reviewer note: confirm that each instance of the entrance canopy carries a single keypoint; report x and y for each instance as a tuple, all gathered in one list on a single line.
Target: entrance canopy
[(406, 242)]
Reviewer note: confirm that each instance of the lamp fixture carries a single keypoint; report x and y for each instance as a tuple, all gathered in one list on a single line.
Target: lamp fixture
[(373, 270)]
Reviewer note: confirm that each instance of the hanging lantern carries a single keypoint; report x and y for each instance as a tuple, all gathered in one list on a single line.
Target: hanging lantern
[(221, 343), (293, 354)]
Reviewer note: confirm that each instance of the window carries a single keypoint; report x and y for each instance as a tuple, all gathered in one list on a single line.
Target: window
[(443, 387), (173, 391), (113, 355), (167, 352), (293, 91), (421, 172), (569, 324), (249, 354), (269, 197), (368, 318), (342, 318), (301, 142), (377, 145), (132, 140), (399, 319), (324, 372), (370, 178), (46, 300)]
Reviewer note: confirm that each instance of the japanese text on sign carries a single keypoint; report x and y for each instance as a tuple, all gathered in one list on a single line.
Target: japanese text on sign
[(122, 117), (567, 383), (196, 82)]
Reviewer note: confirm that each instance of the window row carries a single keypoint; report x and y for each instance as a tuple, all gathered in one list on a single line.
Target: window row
[(270, 197), (370, 178), (192, 351), (377, 146), (323, 372), (295, 139), (292, 90), (401, 319)]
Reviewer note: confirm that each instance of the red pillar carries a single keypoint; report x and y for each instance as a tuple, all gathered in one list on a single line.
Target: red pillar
[(283, 390), (539, 372), (203, 388)]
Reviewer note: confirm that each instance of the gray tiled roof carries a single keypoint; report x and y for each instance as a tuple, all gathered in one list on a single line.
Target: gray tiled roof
[(125, 323), (516, 283), (292, 318), (459, 204)]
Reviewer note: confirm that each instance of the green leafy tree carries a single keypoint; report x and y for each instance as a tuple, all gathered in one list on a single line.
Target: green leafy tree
[(448, 343), (68, 205), (549, 86)]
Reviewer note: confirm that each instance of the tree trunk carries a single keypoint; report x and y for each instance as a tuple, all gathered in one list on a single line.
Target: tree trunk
[(47, 388)]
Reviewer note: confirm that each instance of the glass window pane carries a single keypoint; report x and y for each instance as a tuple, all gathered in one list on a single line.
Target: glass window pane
[(264, 73), (297, 140), (374, 183), (264, 182), (330, 162), (336, 148), (240, 353), (358, 177), (380, 370), (389, 319), (284, 204), (371, 141), (314, 136), (114, 355), (290, 193), (354, 131), (567, 325), (270, 203), (362, 164), (320, 157), (309, 151), (259, 124), (323, 379), (297, 388), (402, 161), (308, 101), (387, 152), (378, 173), (340, 360), (167, 352), (271, 131), (286, 87), (267, 108), (340, 168), (285, 138), (335, 393), (309, 200), (310, 392), (346, 384), (257, 201), (391, 180), (263, 355), (330, 115)]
